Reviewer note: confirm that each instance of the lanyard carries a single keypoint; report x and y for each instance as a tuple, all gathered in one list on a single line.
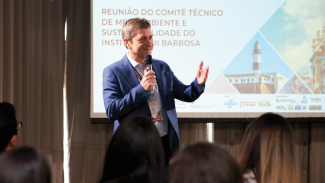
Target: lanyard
[(138, 75)]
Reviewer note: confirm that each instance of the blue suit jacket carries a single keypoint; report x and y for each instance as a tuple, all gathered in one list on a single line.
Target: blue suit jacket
[(124, 95)]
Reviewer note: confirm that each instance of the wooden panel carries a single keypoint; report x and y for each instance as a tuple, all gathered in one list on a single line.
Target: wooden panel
[(192, 132), (317, 153), (301, 149), (229, 136)]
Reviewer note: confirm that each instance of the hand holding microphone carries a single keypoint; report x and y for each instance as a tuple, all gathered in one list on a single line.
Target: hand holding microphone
[(149, 79)]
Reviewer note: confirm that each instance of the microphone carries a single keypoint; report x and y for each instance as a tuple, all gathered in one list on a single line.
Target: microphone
[(148, 62)]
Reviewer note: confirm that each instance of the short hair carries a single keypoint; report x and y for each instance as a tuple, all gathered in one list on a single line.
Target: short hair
[(267, 149), (8, 124), (132, 25), (204, 162), (135, 153), (24, 165)]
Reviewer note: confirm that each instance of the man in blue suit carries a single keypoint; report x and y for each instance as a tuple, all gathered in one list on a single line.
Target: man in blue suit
[(126, 86)]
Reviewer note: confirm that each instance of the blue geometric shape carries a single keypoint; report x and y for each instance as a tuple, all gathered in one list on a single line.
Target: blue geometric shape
[(270, 60)]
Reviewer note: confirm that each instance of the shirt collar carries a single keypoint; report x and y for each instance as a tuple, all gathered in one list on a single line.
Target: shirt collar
[(133, 62)]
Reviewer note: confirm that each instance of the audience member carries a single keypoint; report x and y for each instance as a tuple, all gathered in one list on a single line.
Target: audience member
[(267, 151), (9, 127), (135, 153), (204, 162), (24, 165)]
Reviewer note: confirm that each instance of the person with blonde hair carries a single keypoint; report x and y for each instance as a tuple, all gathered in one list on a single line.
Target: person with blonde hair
[(267, 151)]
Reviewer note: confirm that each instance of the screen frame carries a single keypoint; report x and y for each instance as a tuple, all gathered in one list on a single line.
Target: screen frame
[(186, 115)]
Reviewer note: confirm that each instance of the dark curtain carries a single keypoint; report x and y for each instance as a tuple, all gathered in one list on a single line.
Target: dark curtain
[(31, 72), (87, 142)]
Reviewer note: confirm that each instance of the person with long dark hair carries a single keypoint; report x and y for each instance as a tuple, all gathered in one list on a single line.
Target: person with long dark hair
[(24, 165), (204, 162), (135, 153), (267, 151)]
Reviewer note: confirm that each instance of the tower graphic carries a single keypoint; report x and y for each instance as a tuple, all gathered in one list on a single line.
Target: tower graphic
[(255, 81), (256, 58)]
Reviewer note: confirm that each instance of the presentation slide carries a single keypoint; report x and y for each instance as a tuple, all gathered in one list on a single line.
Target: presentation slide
[(264, 56)]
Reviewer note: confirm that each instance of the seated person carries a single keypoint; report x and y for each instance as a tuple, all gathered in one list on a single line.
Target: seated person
[(24, 165), (9, 127), (135, 153), (204, 162), (267, 151)]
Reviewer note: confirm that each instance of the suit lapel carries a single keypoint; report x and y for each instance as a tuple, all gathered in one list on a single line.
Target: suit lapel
[(129, 72), (160, 79), (133, 79)]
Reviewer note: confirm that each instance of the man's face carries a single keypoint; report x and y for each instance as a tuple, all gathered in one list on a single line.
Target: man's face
[(142, 43)]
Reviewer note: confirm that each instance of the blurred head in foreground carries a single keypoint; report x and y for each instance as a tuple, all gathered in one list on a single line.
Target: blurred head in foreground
[(135, 153), (9, 127), (24, 165), (204, 162), (267, 151)]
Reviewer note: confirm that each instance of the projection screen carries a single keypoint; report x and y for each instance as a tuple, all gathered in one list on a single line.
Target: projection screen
[(264, 56)]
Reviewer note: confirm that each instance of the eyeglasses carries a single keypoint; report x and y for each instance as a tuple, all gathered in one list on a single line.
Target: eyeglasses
[(20, 125)]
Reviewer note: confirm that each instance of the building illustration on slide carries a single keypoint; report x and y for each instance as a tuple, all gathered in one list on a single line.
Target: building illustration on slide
[(301, 44), (257, 82), (312, 73), (318, 62)]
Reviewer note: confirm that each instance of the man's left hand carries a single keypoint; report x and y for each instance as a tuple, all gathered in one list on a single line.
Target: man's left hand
[(202, 74)]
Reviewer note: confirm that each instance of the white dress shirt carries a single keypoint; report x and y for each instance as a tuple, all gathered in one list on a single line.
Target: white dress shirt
[(162, 126)]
